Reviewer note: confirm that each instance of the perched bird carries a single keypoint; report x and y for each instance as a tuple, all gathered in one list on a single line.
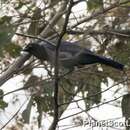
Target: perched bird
[(70, 55)]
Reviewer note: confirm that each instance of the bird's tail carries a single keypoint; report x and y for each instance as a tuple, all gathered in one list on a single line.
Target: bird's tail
[(110, 62)]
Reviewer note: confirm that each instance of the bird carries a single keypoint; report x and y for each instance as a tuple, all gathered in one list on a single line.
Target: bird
[(71, 55)]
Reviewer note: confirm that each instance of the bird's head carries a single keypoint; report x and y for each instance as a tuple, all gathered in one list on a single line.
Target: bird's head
[(36, 50), (30, 47), (33, 49)]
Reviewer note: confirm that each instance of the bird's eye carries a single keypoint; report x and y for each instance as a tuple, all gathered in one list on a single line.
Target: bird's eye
[(27, 48), (29, 45)]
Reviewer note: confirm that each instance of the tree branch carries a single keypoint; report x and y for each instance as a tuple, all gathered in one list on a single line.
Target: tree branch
[(119, 33), (54, 20), (56, 89), (98, 13), (92, 107), (13, 116), (14, 68), (95, 94)]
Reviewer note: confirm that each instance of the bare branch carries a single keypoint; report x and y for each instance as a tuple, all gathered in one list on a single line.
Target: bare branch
[(119, 33), (92, 107), (54, 20), (98, 13), (13, 116), (56, 89), (14, 68), (95, 94)]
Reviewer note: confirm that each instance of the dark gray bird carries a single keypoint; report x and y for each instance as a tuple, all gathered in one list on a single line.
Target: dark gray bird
[(70, 55)]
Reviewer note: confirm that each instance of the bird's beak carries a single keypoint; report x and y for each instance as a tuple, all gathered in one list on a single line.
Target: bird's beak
[(25, 49)]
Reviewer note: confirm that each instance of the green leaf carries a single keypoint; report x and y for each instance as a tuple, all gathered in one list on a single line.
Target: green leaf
[(3, 1), (19, 5), (94, 4), (6, 32), (12, 49), (6, 29), (27, 111), (44, 103), (121, 52), (5, 19), (3, 104), (94, 88)]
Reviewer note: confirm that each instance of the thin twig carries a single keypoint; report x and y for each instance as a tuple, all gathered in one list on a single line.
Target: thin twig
[(92, 107), (95, 94), (119, 33), (56, 84), (34, 37), (14, 68), (98, 13), (13, 116)]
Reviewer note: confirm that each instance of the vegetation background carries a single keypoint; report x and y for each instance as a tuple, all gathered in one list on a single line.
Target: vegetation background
[(102, 26)]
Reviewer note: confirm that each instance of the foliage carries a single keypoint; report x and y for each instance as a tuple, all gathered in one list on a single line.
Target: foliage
[(86, 81), (12, 49), (6, 32), (94, 4), (3, 104)]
